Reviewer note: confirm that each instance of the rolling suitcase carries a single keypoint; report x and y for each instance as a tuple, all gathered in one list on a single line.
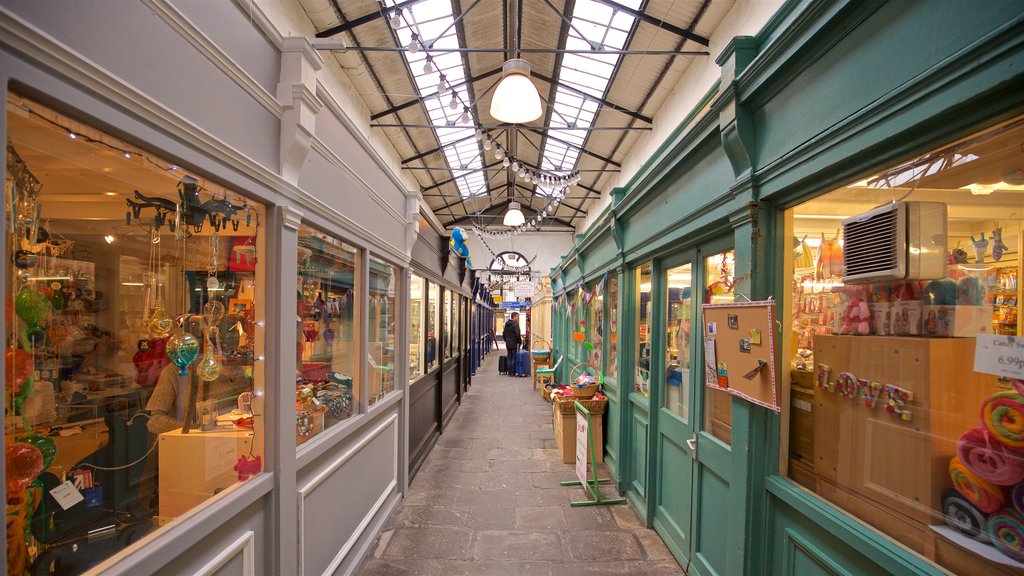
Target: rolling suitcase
[(523, 363), (502, 364)]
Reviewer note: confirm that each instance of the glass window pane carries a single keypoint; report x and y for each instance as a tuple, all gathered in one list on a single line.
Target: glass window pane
[(643, 331), (98, 371), (417, 291), (886, 407), (381, 333), (718, 273), (449, 303), (677, 339), (595, 332), (327, 382), (433, 313), (613, 326)]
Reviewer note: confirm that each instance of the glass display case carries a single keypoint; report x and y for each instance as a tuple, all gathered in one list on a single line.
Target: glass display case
[(329, 353), (134, 321), (417, 311), (381, 333)]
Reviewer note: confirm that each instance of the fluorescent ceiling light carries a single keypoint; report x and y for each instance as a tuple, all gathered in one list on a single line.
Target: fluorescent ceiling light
[(985, 189)]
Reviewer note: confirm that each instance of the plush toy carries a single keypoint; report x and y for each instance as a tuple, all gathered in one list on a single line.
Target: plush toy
[(856, 318), (998, 247), (979, 248)]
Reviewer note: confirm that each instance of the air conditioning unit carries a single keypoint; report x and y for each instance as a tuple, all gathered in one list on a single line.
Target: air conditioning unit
[(898, 241)]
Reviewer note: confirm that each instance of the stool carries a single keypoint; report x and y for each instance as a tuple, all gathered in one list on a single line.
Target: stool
[(542, 376), (541, 368)]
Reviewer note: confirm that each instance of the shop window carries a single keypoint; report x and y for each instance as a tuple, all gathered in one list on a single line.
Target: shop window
[(718, 273), (613, 327), (417, 291), (595, 330), (381, 335), (327, 379), (677, 339), (449, 330), (126, 331), (891, 416), (642, 382), (433, 315)]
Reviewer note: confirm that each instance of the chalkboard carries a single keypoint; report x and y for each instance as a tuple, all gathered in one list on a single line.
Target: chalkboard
[(739, 350)]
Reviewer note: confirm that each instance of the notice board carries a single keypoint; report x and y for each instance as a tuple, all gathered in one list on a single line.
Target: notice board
[(739, 350)]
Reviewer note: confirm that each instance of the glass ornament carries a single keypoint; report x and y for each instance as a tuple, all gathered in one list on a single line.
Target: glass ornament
[(33, 336), (329, 336), (24, 463), (19, 365), (182, 349), (46, 446), (212, 283), (213, 312), (208, 368), (31, 306), (160, 324)]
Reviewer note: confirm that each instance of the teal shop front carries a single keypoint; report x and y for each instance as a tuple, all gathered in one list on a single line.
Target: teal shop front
[(813, 121)]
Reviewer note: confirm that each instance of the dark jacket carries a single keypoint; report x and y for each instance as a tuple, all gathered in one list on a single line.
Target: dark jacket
[(513, 338)]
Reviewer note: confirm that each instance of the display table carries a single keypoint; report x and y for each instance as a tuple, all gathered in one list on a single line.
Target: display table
[(197, 465), (565, 435)]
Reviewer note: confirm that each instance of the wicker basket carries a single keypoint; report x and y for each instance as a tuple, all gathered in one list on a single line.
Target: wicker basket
[(566, 405), (586, 392), (541, 350)]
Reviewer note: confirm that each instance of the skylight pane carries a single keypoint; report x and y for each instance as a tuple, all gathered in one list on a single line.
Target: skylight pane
[(432, 21)]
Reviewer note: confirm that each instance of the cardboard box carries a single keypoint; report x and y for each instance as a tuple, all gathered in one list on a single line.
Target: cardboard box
[(906, 318), (958, 321), (565, 435), (801, 424)]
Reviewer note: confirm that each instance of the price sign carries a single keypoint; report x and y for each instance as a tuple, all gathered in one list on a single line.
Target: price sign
[(999, 355), (582, 435)]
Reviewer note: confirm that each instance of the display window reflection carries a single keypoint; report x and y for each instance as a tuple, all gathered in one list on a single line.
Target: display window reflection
[(896, 413), (719, 271), (449, 302), (612, 296), (381, 333), (642, 376), (417, 311), (134, 373), (433, 318), (678, 332), (328, 356), (595, 330)]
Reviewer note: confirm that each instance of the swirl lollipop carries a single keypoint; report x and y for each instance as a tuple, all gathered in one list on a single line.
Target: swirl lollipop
[(32, 307), (47, 448), (24, 463), (182, 349)]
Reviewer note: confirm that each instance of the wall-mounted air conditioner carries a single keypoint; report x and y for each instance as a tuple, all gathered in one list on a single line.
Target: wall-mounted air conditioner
[(898, 241)]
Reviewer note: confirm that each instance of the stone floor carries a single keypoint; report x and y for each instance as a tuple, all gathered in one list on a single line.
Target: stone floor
[(488, 501)]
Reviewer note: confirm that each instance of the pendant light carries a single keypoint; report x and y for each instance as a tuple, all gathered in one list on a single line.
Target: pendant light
[(516, 100), (514, 216)]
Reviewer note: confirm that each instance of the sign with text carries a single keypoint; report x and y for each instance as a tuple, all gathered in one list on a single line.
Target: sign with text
[(524, 290), (999, 355), (582, 436)]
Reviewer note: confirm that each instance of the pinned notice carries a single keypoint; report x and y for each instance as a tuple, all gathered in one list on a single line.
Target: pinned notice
[(999, 355)]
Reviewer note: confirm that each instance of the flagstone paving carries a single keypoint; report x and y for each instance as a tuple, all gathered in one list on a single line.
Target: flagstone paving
[(488, 501)]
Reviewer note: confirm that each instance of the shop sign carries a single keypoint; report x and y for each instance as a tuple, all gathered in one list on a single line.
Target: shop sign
[(497, 299), (999, 355), (524, 289), (893, 398)]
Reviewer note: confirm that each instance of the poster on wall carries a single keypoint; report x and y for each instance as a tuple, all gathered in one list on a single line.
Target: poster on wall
[(739, 351)]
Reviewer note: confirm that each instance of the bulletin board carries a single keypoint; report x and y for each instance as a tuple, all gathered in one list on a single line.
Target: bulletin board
[(739, 351)]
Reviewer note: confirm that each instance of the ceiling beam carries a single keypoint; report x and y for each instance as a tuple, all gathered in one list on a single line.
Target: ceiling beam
[(469, 170), (417, 100), (503, 126), (438, 149), (346, 26), (461, 174), (333, 47), (661, 24), (601, 101)]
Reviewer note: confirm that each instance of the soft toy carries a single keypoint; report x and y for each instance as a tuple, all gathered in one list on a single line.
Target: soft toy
[(980, 246), (998, 247), (856, 318)]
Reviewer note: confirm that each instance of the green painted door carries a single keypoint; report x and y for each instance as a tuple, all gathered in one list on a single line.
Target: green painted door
[(674, 395), (635, 461)]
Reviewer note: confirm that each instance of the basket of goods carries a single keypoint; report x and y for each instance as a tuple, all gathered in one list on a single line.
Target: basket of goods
[(596, 405), (541, 350), (585, 385)]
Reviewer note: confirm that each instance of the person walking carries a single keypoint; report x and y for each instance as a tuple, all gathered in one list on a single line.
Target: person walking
[(513, 340)]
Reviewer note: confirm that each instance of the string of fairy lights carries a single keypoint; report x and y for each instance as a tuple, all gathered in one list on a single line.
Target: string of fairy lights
[(558, 184)]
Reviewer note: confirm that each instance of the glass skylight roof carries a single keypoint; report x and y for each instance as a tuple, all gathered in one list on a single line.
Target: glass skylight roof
[(583, 74), (432, 22)]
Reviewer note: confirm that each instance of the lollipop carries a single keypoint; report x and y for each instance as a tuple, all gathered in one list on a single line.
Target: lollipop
[(44, 444), (24, 463), (31, 306)]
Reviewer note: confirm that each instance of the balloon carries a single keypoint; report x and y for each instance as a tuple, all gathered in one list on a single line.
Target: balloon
[(31, 306), (182, 349), (44, 444), (24, 463)]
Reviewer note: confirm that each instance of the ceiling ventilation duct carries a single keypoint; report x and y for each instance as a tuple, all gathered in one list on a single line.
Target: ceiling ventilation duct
[(898, 241)]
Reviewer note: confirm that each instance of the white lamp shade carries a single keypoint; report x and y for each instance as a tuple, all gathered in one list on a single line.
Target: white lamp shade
[(514, 216), (516, 100)]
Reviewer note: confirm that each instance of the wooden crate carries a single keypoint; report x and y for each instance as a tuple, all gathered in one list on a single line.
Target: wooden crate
[(565, 435)]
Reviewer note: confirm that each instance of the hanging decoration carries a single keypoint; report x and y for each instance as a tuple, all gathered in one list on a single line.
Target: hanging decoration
[(182, 349)]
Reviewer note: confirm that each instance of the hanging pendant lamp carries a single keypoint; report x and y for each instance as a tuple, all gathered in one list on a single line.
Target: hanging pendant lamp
[(514, 216), (515, 99)]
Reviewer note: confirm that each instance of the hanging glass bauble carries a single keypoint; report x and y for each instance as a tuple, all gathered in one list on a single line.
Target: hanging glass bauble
[(19, 367), (44, 444), (24, 463), (208, 368), (160, 324), (310, 331), (57, 300), (329, 335), (24, 259), (213, 312), (31, 306), (182, 349), (33, 336), (212, 283)]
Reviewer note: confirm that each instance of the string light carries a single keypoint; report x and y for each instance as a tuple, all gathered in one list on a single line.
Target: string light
[(442, 85), (414, 45), (455, 101), (464, 119), (396, 19), (428, 67)]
